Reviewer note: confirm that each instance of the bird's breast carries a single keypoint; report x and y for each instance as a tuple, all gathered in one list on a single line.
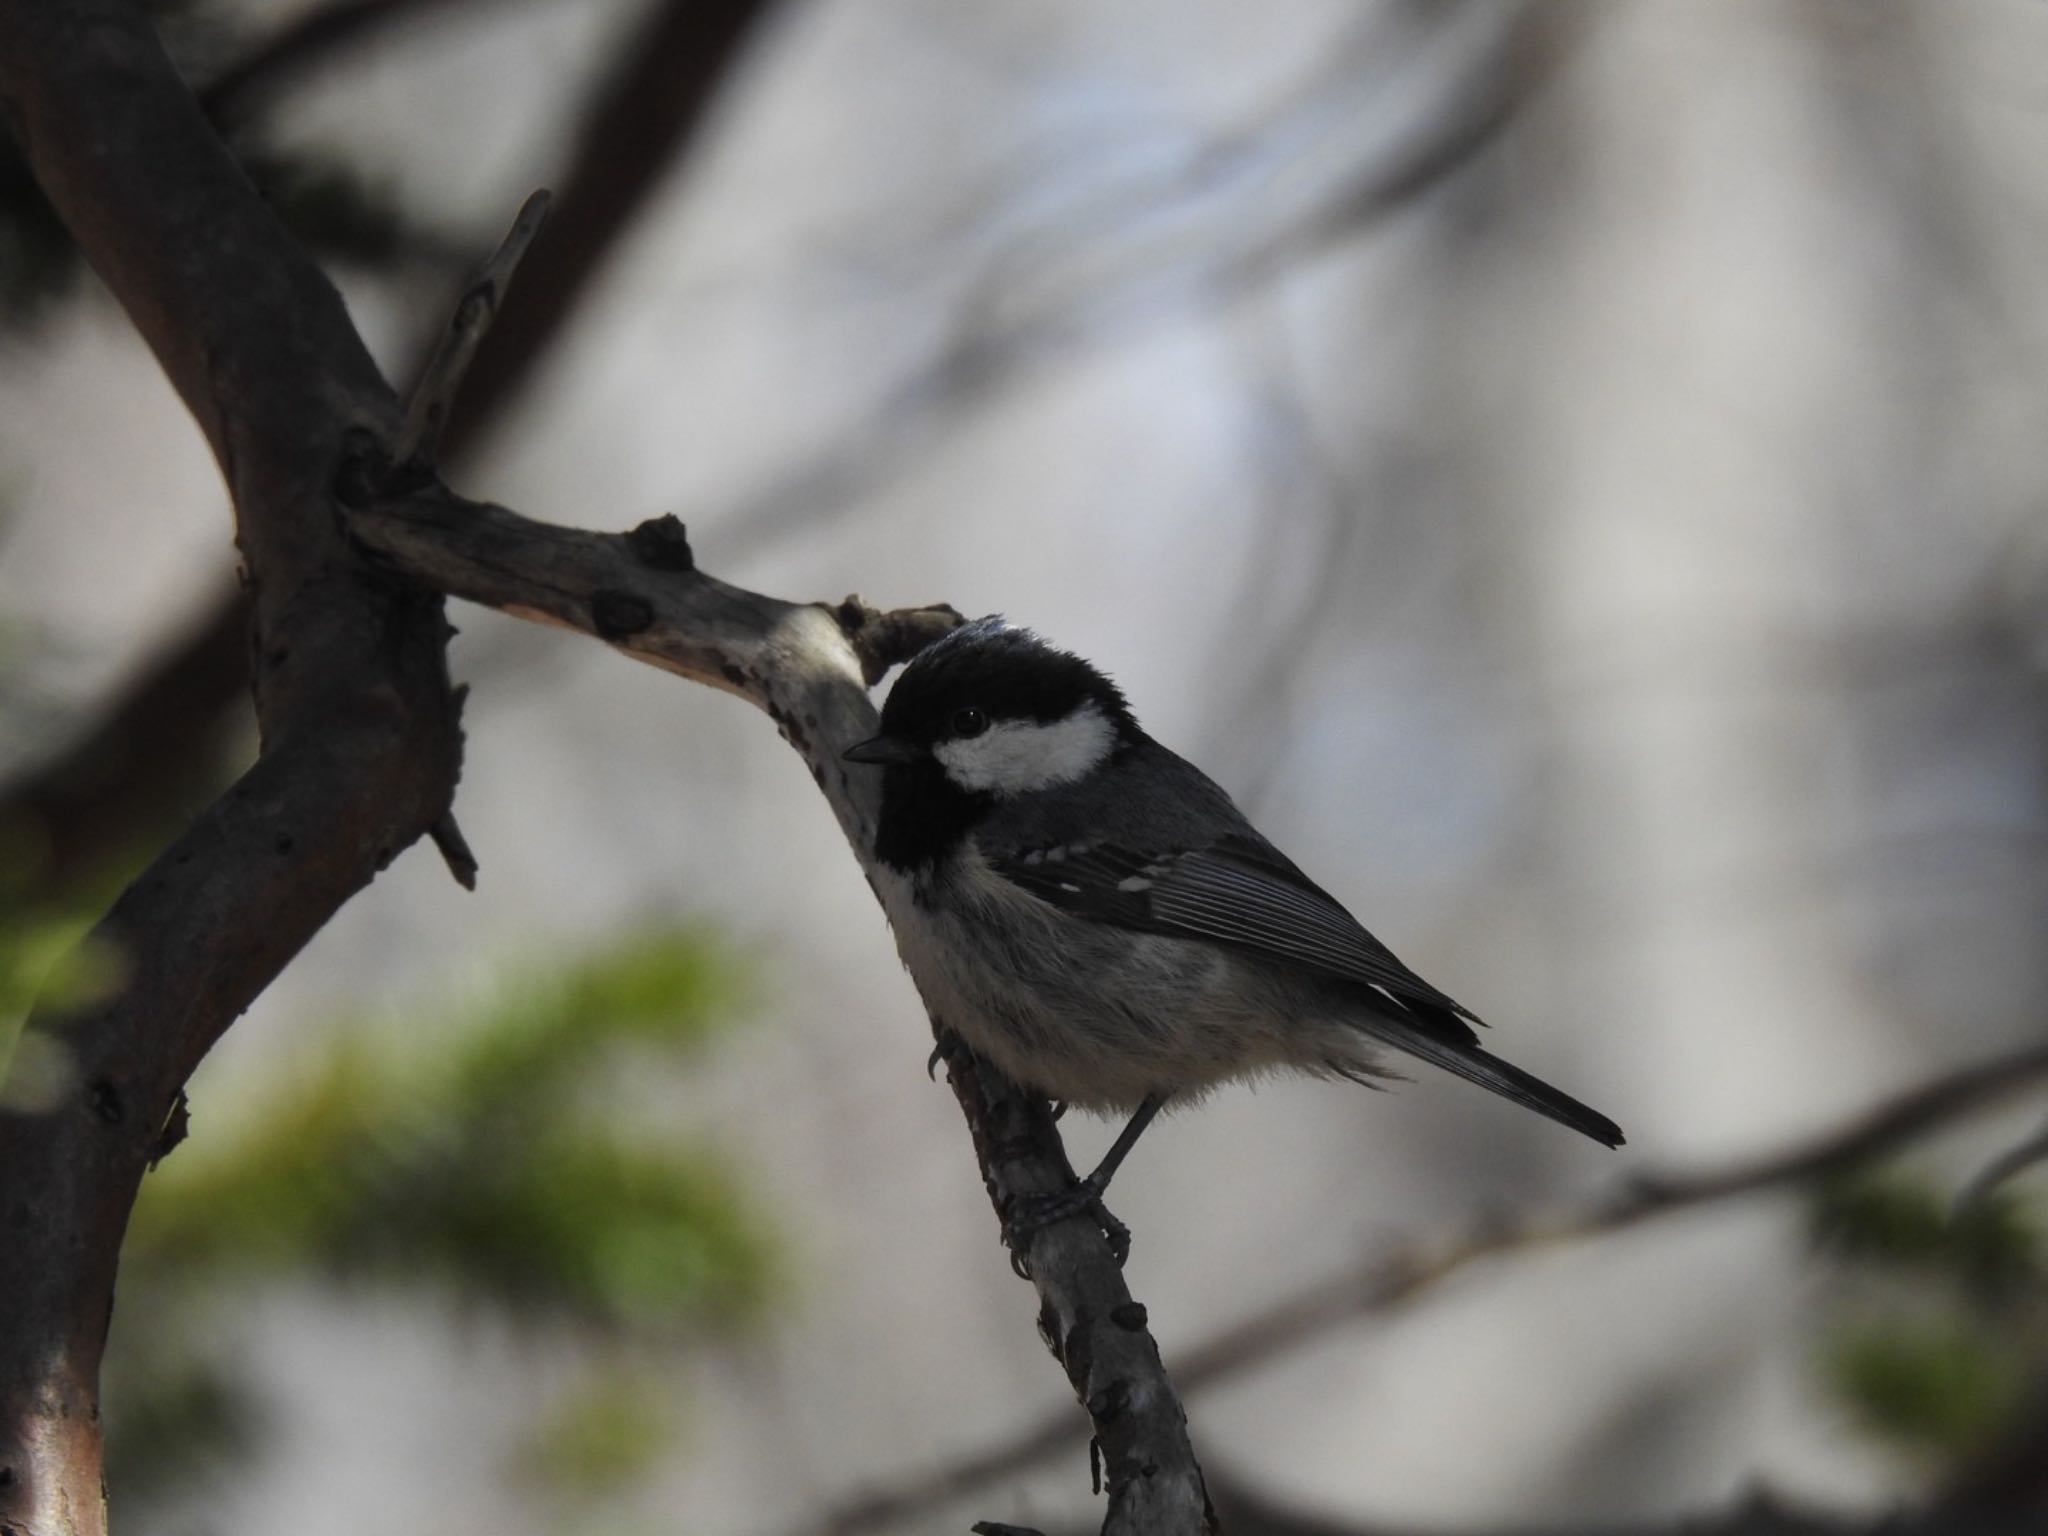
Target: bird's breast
[(1094, 1015)]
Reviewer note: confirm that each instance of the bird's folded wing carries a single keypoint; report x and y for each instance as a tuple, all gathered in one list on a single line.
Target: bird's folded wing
[(1234, 891)]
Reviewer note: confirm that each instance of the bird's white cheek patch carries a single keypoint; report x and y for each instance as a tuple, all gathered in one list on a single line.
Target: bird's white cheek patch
[(1018, 756)]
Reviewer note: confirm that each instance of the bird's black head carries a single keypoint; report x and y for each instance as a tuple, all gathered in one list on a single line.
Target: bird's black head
[(985, 714)]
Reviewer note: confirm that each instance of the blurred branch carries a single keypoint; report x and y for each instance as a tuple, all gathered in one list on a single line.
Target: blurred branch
[(1250, 1513), (361, 744), (250, 84), (1131, 262), (1391, 1280), (2009, 1164), (141, 762), (154, 743), (650, 111)]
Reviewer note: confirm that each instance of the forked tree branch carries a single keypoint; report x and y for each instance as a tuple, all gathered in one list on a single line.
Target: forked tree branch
[(361, 748), (152, 747), (361, 740)]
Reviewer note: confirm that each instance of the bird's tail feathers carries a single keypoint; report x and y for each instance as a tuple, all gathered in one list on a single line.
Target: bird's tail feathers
[(1489, 1071)]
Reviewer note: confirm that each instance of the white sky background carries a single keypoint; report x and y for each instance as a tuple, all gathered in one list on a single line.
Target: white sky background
[(1534, 563)]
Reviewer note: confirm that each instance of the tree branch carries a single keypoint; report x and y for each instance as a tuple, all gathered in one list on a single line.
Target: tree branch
[(361, 745), (426, 413), (360, 735), (361, 742), (152, 746)]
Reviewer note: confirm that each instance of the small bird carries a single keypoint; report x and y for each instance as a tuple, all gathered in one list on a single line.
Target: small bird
[(1092, 913)]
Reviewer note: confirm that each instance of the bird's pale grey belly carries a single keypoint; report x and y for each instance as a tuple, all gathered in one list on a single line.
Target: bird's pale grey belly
[(1099, 1016)]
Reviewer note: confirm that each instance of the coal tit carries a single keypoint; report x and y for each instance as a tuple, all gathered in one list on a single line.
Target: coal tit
[(1092, 913)]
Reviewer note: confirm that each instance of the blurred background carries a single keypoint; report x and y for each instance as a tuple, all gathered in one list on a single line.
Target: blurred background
[(1575, 471)]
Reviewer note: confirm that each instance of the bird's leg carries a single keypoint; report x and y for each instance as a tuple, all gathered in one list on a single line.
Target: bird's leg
[(1127, 1138), (1041, 1211)]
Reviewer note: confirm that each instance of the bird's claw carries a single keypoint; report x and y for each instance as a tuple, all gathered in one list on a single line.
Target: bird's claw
[(948, 1043), (1031, 1214)]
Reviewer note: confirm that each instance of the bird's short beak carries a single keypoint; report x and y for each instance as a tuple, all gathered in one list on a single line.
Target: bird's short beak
[(881, 749)]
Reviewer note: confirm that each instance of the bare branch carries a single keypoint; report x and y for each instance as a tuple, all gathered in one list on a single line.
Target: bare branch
[(360, 736), (1392, 1280), (426, 413), (1087, 1318), (1251, 1513), (417, 450), (152, 748), (361, 740), (362, 743)]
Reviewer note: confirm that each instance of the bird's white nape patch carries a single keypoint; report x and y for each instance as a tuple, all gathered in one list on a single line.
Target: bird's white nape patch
[(1014, 757)]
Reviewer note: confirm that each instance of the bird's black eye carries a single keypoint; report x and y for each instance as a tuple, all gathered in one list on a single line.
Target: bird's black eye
[(969, 721)]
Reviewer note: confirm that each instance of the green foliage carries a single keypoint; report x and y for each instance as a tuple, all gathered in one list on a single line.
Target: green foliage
[(601, 1436), (1941, 1387), (1937, 1316), (48, 959), (478, 1149), (55, 959), (1991, 1247), (468, 1159)]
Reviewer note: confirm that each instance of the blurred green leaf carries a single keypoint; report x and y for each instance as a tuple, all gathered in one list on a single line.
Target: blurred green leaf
[(1991, 1247), (664, 989), (1883, 1218), (1936, 1313), (464, 1158), (604, 1435), (619, 1236), (51, 962), (1936, 1387)]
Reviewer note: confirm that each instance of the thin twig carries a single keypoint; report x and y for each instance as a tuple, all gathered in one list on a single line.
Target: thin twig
[(454, 850), (434, 396), (1385, 1283), (2007, 1165)]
